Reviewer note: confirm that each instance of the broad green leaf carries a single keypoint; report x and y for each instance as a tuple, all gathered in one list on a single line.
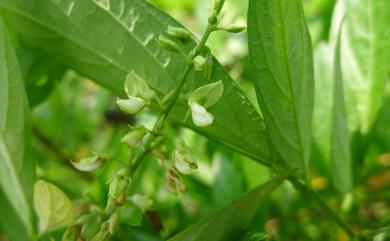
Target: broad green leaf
[(105, 40), (16, 169), (281, 53), (340, 149), (365, 54), (53, 207), (229, 222)]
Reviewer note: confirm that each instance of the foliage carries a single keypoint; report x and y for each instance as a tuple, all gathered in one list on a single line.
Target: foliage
[(119, 123)]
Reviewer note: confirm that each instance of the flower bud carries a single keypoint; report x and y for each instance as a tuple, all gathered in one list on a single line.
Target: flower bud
[(199, 62), (141, 201), (168, 44), (200, 116), (113, 222), (207, 95), (183, 159), (103, 233), (134, 137), (179, 33), (88, 164), (132, 106), (234, 28), (135, 86), (213, 19), (118, 189)]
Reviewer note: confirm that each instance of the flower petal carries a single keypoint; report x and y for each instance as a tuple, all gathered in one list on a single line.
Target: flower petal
[(200, 116), (132, 105)]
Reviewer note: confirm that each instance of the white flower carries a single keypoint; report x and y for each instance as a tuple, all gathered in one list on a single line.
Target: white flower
[(133, 105), (88, 164), (200, 116)]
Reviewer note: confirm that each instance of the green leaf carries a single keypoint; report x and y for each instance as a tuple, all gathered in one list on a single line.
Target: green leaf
[(105, 40), (229, 222), (16, 170), (53, 207), (281, 53), (365, 51), (341, 168)]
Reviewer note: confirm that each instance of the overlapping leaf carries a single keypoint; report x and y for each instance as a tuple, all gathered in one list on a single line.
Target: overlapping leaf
[(281, 54), (16, 170), (340, 146), (231, 221), (365, 53), (105, 40)]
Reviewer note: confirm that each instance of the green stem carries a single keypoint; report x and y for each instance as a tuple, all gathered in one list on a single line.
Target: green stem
[(158, 126)]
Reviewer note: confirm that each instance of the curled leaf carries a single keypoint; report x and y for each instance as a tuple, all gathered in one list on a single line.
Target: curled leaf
[(53, 207), (132, 106), (88, 164), (200, 116)]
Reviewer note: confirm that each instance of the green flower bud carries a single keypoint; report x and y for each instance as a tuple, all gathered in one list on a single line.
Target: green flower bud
[(234, 28), (199, 62), (213, 19), (113, 222), (207, 95), (135, 86), (118, 189), (103, 233), (141, 201), (168, 44), (88, 164), (134, 137), (132, 106), (179, 33), (183, 159)]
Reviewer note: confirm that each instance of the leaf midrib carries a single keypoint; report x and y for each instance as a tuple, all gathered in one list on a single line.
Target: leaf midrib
[(290, 80)]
